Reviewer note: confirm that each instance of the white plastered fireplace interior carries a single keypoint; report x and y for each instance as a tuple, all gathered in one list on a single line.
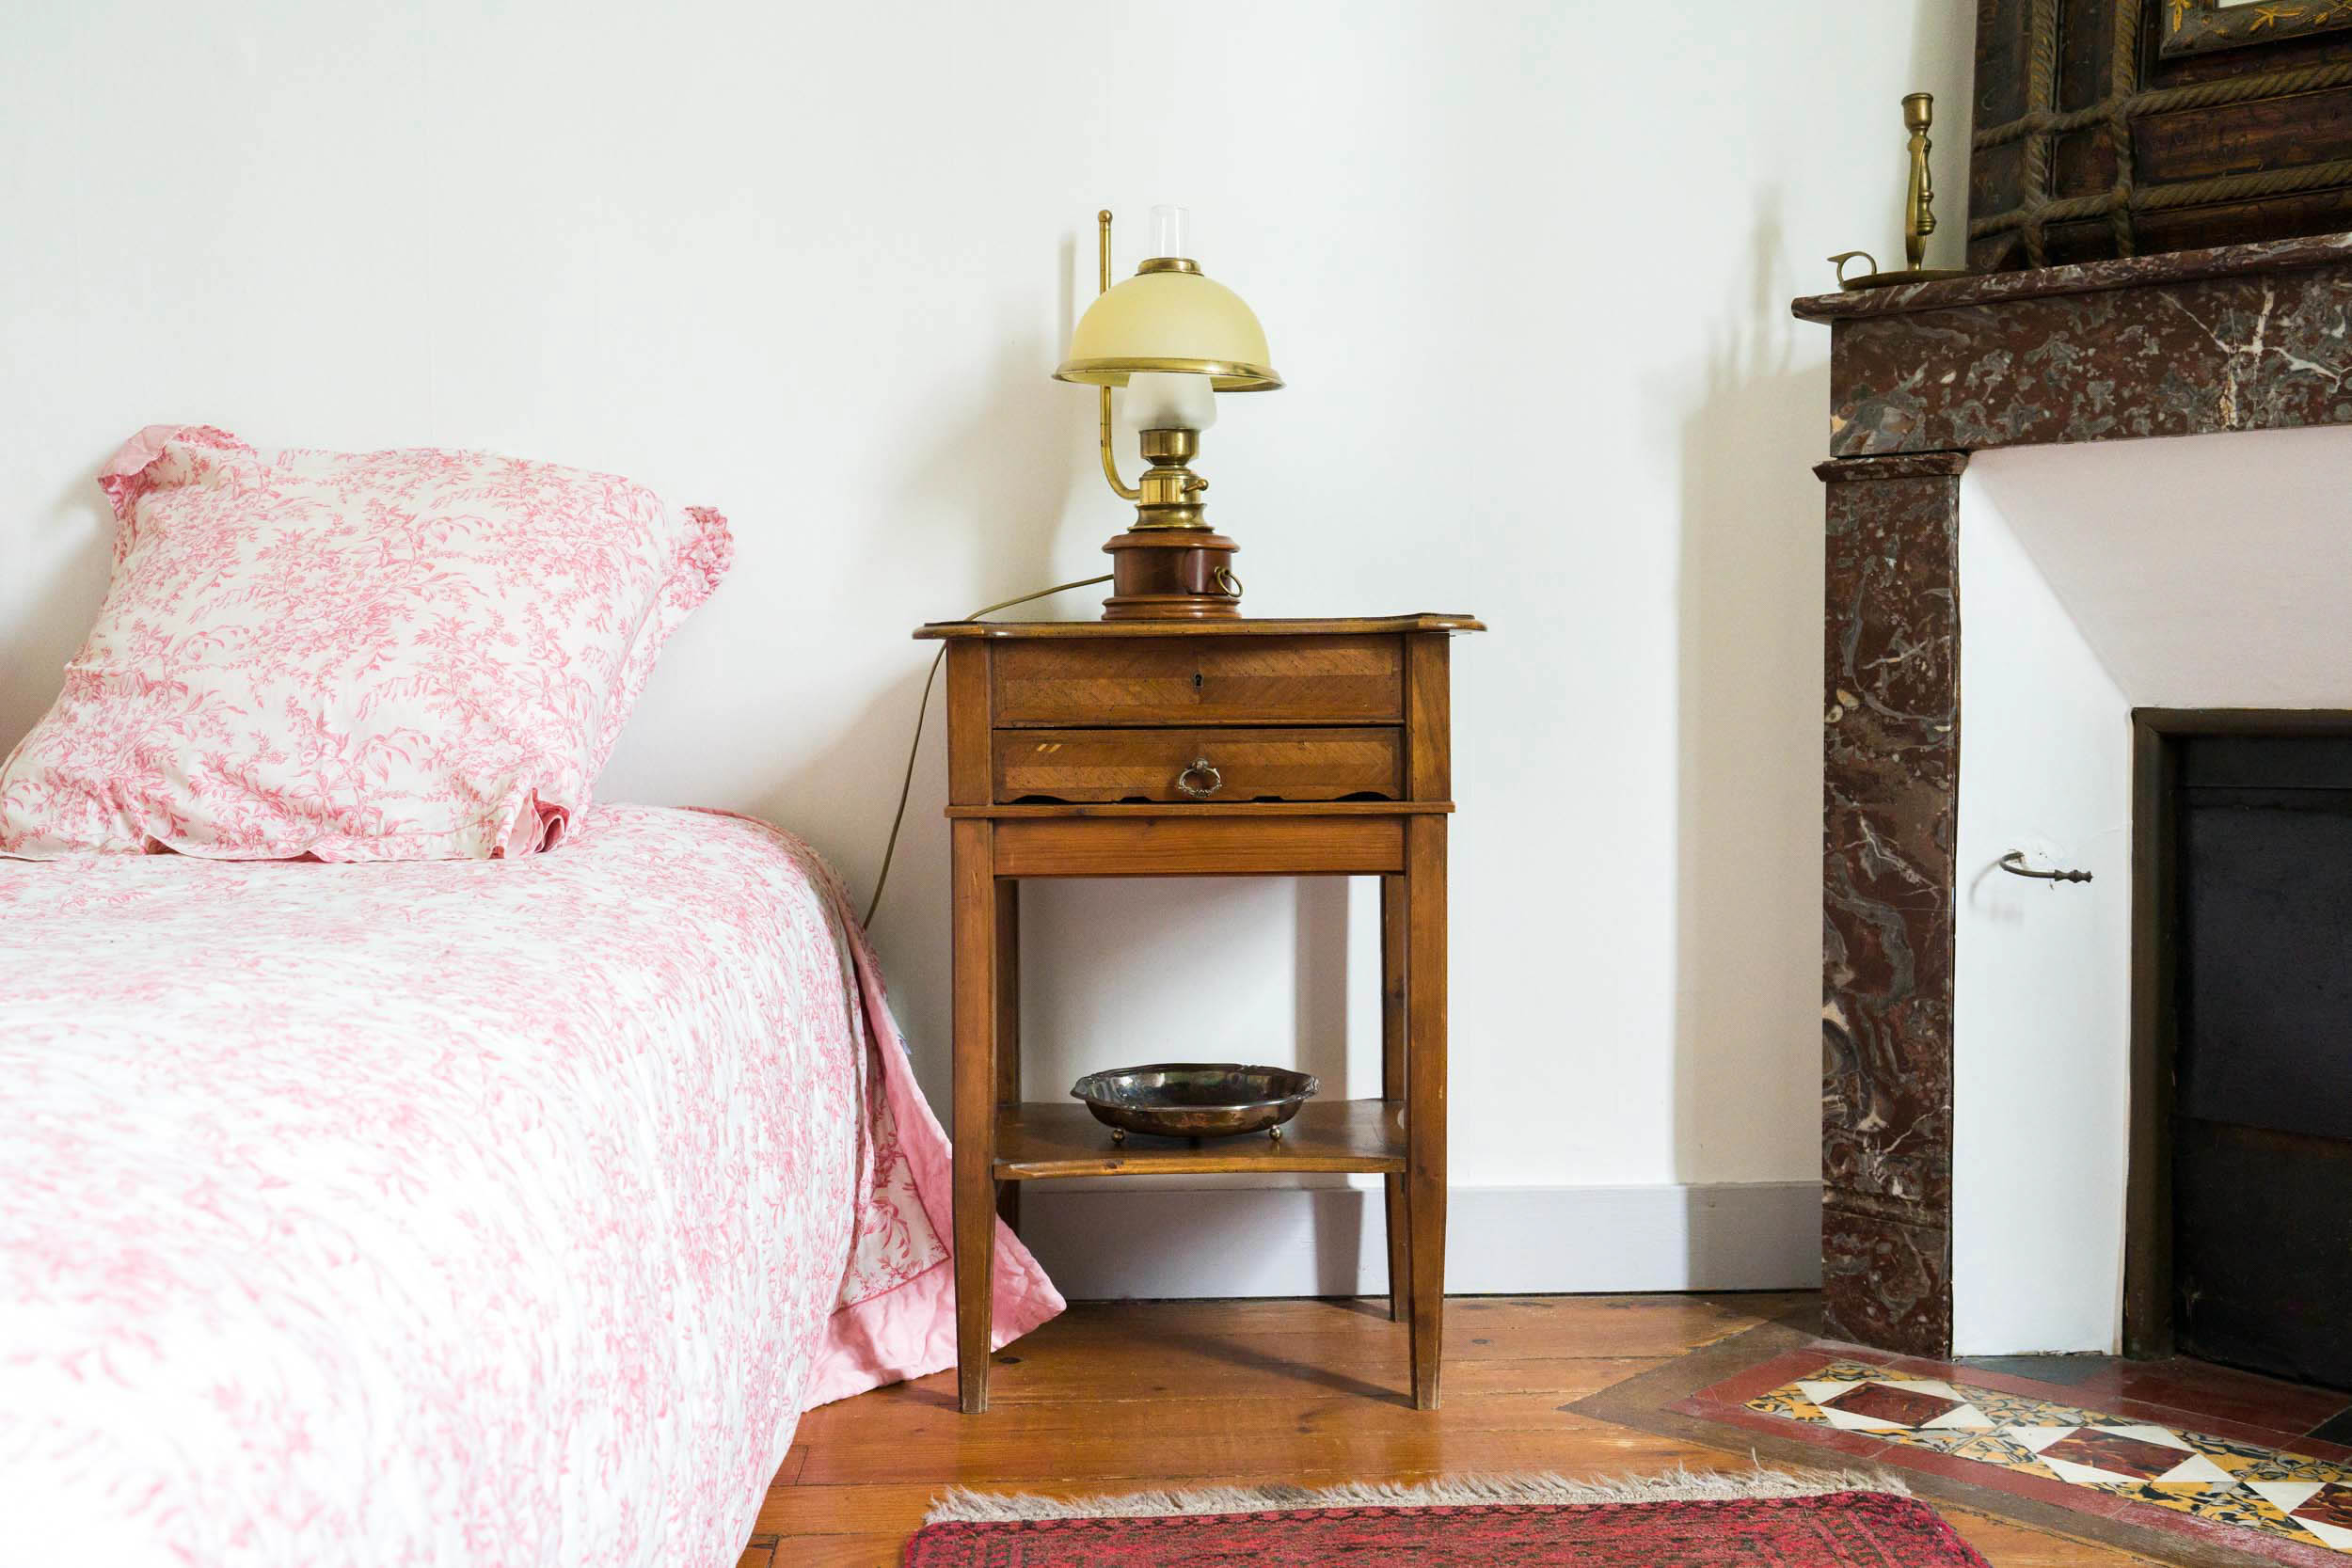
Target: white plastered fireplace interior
[(2204, 572)]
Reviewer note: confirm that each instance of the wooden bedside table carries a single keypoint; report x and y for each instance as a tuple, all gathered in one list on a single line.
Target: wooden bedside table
[(1200, 749)]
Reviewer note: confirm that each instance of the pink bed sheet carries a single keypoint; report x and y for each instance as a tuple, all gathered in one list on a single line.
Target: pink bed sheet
[(482, 1212)]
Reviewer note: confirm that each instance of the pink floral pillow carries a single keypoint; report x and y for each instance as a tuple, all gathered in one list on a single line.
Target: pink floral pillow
[(355, 656)]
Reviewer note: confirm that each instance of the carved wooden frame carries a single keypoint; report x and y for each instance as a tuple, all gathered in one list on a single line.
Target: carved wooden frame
[(2194, 27), (2118, 128)]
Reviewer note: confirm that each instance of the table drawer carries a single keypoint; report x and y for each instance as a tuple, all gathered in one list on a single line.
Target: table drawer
[(1220, 764), (1200, 680)]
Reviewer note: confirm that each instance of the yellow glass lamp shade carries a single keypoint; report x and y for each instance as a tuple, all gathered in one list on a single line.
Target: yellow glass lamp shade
[(1169, 318)]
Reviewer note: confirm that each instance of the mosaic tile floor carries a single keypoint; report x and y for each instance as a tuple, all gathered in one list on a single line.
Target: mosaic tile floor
[(2294, 1496)]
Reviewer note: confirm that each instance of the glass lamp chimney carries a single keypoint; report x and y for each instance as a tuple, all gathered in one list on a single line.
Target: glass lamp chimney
[(1171, 231)]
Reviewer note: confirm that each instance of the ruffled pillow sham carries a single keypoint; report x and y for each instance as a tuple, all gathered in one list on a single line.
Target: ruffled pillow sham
[(411, 655)]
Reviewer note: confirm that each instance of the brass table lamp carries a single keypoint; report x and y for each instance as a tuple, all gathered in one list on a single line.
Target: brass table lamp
[(1173, 338)]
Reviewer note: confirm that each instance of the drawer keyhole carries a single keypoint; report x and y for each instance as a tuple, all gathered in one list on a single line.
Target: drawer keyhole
[(1196, 680)]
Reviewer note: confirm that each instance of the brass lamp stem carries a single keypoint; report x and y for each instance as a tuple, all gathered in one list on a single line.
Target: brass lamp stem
[(1110, 463), (1103, 286), (1171, 493)]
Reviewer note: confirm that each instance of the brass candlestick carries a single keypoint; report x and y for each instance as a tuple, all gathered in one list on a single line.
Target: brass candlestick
[(1919, 201), (1918, 210)]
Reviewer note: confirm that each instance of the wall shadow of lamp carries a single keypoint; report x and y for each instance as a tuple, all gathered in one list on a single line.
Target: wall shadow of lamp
[(1918, 211), (1174, 338)]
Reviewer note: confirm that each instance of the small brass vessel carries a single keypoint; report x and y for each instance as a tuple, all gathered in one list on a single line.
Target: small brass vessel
[(1194, 1100)]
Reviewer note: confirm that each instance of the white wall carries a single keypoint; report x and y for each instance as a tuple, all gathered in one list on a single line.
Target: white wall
[(1525, 264), (2041, 995), (2208, 571)]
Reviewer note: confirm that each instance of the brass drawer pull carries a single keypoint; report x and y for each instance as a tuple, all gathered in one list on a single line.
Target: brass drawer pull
[(1201, 792)]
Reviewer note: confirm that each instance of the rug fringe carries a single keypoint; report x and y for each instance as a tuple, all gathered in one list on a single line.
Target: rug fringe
[(962, 1506)]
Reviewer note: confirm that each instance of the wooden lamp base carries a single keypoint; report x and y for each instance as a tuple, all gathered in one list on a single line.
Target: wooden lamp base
[(1173, 574)]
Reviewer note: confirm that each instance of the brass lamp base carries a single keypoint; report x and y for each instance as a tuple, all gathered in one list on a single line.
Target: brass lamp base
[(1173, 574), (1169, 566)]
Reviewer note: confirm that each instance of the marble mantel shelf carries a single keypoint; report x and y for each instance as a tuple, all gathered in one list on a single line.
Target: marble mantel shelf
[(2248, 337), (2252, 336), (2087, 278)]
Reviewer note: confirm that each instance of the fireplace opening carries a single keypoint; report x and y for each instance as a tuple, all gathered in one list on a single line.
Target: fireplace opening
[(2240, 1239)]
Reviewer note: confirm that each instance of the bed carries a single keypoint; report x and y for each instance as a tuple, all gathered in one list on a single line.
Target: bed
[(491, 1211)]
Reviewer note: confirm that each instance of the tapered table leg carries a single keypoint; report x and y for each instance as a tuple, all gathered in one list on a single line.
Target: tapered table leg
[(974, 969), (1392, 1086), (1424, 1114), (1008, 1027)]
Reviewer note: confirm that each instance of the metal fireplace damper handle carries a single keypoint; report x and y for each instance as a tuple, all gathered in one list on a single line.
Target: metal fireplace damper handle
[(2014, 864)]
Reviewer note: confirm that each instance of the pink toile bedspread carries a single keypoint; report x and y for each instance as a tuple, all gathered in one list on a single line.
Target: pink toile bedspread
[(485, 1212)]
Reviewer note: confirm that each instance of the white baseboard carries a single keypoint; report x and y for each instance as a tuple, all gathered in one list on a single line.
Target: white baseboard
[(1154, 1242)]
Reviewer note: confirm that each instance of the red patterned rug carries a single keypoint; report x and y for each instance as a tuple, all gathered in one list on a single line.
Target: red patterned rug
[(1705, 1522)]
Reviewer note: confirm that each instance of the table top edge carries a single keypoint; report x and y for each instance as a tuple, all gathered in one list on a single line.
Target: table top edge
[(1336, 626)]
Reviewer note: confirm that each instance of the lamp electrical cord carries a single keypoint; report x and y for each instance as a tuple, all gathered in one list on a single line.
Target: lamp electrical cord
[(922, 710)]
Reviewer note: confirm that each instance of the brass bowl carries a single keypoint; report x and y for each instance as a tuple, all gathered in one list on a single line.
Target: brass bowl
[(1194, 1100)]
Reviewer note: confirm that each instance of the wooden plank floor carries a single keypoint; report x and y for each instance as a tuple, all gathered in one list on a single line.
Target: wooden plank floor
[(1116, 1396)]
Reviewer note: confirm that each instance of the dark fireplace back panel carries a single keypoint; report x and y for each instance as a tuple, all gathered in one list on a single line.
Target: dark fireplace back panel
[(2262, 1156)]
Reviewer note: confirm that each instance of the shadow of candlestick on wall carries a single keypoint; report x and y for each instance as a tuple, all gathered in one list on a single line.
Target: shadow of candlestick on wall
[(1747, 950)]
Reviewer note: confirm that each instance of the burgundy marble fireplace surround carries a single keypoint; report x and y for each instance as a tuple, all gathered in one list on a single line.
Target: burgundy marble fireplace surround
[(2254, 336)]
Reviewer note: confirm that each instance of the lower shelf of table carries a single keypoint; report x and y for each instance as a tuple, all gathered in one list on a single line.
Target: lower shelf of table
[(1040, 1140)]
